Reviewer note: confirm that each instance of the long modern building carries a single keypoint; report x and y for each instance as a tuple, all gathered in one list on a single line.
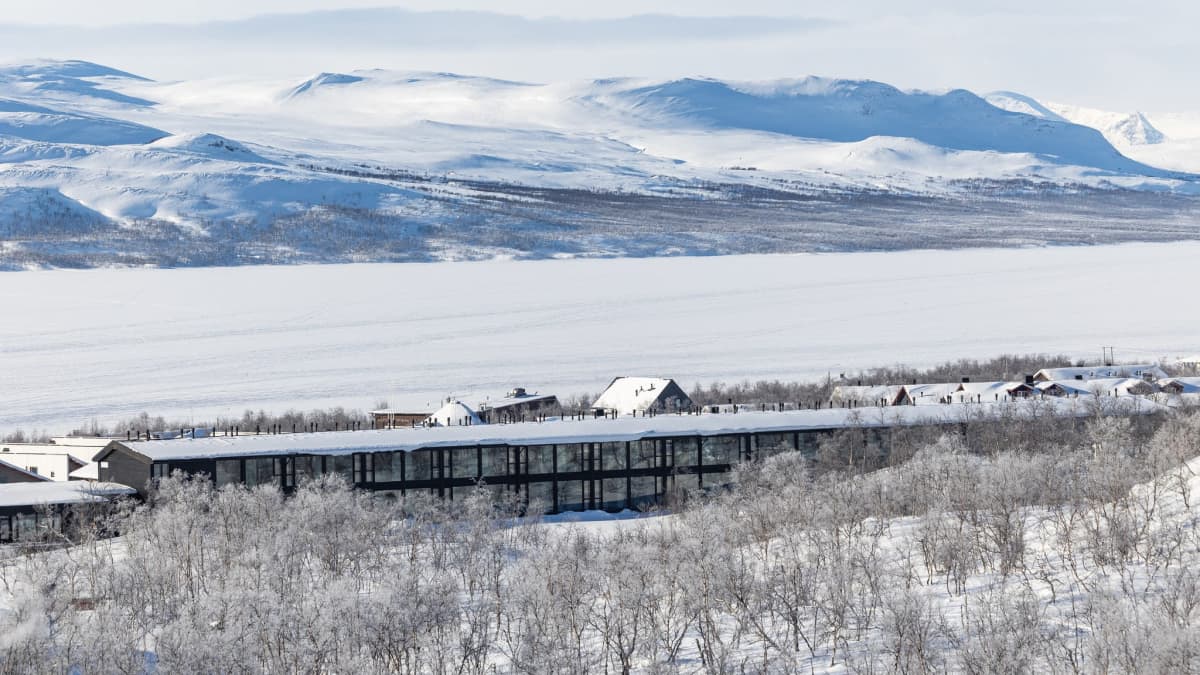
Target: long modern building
[(562, 465)]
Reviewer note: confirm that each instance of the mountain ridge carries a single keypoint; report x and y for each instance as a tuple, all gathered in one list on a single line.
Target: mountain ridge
[(499, 167)]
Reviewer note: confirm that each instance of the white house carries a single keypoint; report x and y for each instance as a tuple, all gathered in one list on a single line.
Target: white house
[(1145, 371), (454, 414), (50, 460), (631, 395)]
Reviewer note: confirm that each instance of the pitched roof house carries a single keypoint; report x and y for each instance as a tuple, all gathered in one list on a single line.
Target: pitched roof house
[(630, 395)]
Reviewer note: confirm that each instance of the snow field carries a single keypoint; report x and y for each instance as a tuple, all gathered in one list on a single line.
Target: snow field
[(101, 344)]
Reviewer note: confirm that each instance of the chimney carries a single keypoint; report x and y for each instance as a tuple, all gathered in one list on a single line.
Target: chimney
[(966, 380), (1028, 379)]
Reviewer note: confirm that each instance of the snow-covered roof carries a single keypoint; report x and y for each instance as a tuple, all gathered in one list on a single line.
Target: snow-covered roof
[(627, 394), (89, 471), (45, 450), (13, 467), (401, 411), (1098, 372), (74, 492), (40, 448), (1187, 385), (625, 428), (453, 414), (1104, 386), (866, 394), (83, 441), (497, 404), (930, 393), (987, 390)]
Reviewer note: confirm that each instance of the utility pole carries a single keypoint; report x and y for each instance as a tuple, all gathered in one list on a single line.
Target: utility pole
[(1109, 355)]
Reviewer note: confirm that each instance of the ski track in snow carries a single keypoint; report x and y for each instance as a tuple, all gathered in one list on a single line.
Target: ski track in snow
[(190, 343)]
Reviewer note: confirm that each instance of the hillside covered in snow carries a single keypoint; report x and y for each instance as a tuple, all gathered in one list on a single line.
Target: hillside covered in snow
[(100, 166)]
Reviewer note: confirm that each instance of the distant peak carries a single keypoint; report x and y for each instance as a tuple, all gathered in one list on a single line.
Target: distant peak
[(50, 68), (323, 80)]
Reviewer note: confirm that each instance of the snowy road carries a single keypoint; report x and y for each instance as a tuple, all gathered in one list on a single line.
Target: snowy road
[(100, 344)]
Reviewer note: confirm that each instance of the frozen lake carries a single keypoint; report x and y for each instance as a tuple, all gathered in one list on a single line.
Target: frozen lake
[(100, 344)]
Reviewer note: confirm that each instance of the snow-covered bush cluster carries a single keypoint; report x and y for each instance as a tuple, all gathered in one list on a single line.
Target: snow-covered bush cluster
[(1076, 552)]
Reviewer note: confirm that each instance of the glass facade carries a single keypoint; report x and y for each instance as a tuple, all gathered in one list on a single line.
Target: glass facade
[(420, 465), (570, 495), (307, 467), (767, 445), (343, 465), (615, 493), (229, 472), (543, 493), (611, 475), (612, 456), (495, 460), (721, 450), (464, 462), (260, 471), (685, 451), (643, 490), (570, 457), (644, 454), (387, 467), (540, 459)]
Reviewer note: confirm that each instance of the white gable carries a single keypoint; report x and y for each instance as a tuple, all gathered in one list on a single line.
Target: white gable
[(454, 414), (629, 394), (1145, 371)]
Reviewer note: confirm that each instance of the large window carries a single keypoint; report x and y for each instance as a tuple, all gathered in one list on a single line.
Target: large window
[(768, 445), (643, 454), (721, 450), (643, 490), (541, 458), (307, 468), (495, 460), (387, 467), (464, 462), (614, 494), (686, 451), (260, 471), (364, 468), (570, 495), (541, 496), (570, 458), (285, 471), (25, 525), (420, 465), (810, 443), (612, 456), (686, 482), (342, 465), (229, 472)]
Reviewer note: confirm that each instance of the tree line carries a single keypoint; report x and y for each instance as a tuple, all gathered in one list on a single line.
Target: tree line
[(1073, 550)]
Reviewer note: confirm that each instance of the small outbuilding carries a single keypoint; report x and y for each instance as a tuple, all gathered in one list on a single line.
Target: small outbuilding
[(453, 414), (516, 406), (395, 418)]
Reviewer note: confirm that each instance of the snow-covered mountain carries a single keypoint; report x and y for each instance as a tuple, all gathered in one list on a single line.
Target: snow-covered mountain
[(279, 163), (1121, 129)]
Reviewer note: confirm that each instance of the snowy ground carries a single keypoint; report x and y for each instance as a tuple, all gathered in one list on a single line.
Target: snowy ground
[(90, 345)]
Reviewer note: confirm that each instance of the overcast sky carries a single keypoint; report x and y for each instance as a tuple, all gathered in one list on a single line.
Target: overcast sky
[(1101, 53)]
